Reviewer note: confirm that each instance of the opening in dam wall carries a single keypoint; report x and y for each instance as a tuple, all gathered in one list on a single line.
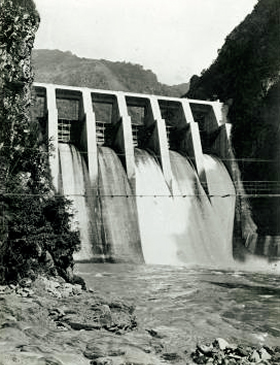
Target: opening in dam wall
[(152, 179)]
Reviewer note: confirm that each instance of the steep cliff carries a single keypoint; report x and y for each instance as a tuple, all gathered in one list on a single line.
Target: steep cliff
[(246, 76), (35, 232)]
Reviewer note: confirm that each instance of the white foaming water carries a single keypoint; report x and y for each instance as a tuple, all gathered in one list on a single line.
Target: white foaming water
[(180, 226), (212, 244), (155, 212), (117, 210), (222, 195), (73, 173)]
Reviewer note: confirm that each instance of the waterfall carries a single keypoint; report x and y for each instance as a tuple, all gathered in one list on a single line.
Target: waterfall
[(132, 206), (73, 176), (118, 211), (222, 195), (155, 211), (149, 222), (182, 225), (211, 243)]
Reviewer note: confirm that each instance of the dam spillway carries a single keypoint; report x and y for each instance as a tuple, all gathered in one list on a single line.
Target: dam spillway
[(151, 178)]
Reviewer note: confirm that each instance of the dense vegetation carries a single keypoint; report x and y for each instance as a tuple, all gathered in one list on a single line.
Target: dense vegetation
[(67, 69), (35, 232), (246, 76)]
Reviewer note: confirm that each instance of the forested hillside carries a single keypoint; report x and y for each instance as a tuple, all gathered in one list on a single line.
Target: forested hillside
[(64, 68), (246, 76)]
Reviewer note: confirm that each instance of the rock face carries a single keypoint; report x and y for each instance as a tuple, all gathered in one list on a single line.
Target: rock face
[(245, 76), (113, 317), (35, 230), (18, 27)]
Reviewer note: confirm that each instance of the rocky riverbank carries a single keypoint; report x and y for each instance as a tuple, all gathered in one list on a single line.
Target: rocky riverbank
[(51, 322)]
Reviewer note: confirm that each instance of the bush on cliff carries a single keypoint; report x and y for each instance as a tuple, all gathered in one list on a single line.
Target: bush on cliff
[(37, 227), (34, 221)]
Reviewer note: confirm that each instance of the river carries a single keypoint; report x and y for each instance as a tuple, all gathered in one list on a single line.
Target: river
[(195, 303)]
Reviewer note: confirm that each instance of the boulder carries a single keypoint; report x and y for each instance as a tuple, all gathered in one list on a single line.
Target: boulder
[(57, 287), (254, 357), (205, 349), (242, 351), (264, 354), (25, 282), (221, 344), (83, 326), (96, 349), (171, 356), (102, 361), (77, 289), (105, 317), (155, 333), (5, 289), (76, 279), (25, 292)]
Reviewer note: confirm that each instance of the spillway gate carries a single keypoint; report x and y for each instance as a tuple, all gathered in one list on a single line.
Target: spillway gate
[(89, 118)]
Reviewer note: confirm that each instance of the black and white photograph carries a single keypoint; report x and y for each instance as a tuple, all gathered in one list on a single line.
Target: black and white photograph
[(139, 182)]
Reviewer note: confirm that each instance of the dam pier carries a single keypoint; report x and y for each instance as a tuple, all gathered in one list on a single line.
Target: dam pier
[(152, 178)]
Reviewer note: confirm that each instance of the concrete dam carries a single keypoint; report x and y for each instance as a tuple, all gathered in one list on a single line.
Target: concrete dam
[(152, 178)]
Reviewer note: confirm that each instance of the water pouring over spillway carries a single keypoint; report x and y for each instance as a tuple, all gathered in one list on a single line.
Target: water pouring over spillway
[(179, 226), (118, 210), (144, 173), (157, 224)]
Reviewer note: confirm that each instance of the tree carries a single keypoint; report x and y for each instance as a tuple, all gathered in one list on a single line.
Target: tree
[(34, 220)]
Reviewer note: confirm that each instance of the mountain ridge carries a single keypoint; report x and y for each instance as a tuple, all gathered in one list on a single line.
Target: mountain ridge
[(65, 68)]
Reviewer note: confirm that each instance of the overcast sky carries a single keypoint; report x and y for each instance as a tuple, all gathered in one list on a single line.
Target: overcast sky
[(173, 38)]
